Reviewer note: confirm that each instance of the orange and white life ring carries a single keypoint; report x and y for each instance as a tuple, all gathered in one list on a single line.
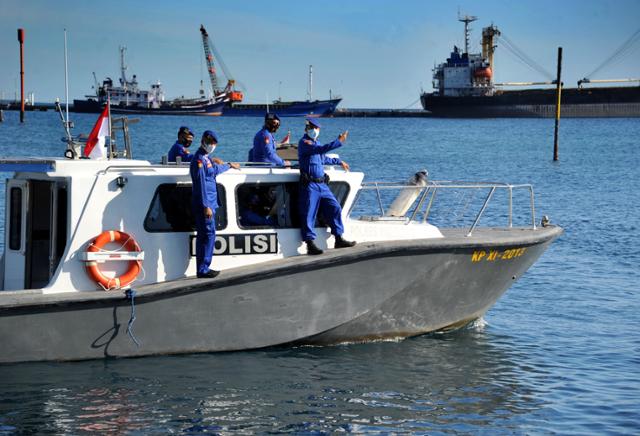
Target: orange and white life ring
[(129, 244)]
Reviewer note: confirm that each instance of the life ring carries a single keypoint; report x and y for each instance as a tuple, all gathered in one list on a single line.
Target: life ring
[(129, 244)]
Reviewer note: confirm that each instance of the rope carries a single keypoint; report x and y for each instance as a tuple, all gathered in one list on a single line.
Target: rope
[(522, 56), (412, 104), (624, 49), (131, 294)]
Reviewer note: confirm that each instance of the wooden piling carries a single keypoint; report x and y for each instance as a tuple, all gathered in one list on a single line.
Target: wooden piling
[(21, 41), (558, 99)]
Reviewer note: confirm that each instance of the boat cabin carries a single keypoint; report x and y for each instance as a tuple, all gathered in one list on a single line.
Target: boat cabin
[(55, 208)]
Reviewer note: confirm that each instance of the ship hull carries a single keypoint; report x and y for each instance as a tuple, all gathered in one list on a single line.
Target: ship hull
[(539, 103), (317, 108), (93, 106), (371, 291)]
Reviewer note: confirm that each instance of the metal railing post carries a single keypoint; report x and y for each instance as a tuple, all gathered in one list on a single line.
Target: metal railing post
[(484, 206), (510, 207), (379, 199), (428, 210), (533, 208), (419, 206)]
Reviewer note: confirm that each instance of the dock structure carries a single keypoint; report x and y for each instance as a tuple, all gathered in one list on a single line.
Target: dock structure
[(16, 106), (380, 113)]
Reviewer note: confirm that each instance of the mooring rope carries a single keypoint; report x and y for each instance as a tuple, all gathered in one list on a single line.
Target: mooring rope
[(131, 294)]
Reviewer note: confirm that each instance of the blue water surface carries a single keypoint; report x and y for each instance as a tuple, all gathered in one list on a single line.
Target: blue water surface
[(558, 354)]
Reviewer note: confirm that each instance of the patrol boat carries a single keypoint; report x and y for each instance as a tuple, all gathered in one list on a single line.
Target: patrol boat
[(99, 260)]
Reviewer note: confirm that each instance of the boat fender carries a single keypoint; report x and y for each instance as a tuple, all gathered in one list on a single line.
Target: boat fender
[(129, 244), (408, 195)]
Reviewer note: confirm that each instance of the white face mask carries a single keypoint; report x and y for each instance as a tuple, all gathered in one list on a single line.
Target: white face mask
[(208, 148), (313, 133)]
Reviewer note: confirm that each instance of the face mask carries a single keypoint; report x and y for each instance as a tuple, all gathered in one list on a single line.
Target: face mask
[(208, 148), (313, 133)]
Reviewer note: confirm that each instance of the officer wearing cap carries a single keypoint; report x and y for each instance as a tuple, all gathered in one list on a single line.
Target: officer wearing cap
[(204, 200), (315, 195), (264, 144), (185, 138)]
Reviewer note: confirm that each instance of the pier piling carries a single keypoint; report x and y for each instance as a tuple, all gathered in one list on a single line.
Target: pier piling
[(558, 99)]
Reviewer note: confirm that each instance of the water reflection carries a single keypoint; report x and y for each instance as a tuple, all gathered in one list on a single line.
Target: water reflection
[(469, 380)]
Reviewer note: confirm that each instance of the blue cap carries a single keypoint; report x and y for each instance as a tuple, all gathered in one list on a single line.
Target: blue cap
[(185, 129), (271, 116), (210, 133), (313, 121)]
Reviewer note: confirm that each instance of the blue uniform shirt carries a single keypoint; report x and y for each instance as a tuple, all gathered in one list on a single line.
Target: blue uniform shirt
[(178, 149), (250, 218), (264, 149), (203, 175), (311, 156)]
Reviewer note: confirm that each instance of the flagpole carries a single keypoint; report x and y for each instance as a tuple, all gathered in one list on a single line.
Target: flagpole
[(110, 131)]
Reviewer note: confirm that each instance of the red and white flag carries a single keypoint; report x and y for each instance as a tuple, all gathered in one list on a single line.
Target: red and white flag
[(286, 139), (95, 147)]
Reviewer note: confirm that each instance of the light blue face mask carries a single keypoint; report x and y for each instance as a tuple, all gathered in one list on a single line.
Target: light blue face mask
[(313, 133), (208, 148)]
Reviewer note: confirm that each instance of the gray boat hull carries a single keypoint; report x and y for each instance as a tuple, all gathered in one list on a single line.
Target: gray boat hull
[(374, 290)]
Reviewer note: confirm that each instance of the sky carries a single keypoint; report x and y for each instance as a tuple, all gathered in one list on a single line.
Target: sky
[(373, 53)]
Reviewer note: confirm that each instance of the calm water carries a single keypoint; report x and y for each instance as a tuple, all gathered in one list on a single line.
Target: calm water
[(559, 353)]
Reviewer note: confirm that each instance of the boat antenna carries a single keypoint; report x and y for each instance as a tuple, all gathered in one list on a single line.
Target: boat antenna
[(72, 150), (66, 82), (310, 82)]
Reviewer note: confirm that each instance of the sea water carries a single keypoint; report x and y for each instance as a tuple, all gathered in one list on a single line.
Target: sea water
[(558, 353)]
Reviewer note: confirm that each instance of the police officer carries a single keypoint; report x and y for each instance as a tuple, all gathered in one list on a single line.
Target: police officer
[(264, 144), (185, 138), (314, 193), (204, 201)]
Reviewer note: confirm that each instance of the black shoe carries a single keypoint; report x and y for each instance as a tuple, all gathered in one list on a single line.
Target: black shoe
[(208, 275), (312, 248), (343, 243)]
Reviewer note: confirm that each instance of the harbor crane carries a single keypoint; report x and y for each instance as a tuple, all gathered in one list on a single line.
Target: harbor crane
[(228, 93)]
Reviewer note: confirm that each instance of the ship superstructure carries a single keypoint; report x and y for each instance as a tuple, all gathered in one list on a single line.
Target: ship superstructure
[(129, 98), (463, 86), (464, 73)]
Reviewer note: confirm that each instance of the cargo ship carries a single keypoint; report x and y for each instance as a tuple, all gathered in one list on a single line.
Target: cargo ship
[(233, 97), (464, 88), (128, 98)]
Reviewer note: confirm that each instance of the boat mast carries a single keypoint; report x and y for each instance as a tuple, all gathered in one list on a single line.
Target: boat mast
[(467, 19), (123, 68)]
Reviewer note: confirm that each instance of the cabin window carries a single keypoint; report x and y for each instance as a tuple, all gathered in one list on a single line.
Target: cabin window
[(15, 219), (275, 205), (170, 209)]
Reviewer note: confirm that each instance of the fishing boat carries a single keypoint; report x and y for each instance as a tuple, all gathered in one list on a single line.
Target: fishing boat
[(99, 260), (464, 87), (129, 98)]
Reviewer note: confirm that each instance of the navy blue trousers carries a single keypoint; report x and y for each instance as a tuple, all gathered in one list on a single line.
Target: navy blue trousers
[(314, 198), (205, 240)]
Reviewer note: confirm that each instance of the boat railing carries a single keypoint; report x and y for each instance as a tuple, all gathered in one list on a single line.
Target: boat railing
[(423, 201)]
